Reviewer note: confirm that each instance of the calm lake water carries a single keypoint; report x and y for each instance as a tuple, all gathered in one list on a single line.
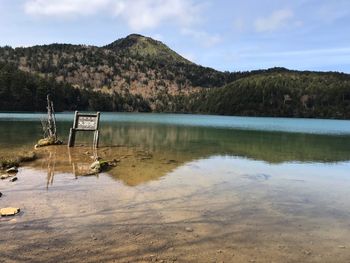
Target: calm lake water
[(187, 188)]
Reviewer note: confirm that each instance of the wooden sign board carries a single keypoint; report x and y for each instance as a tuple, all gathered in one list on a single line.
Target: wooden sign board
[(85, 122)]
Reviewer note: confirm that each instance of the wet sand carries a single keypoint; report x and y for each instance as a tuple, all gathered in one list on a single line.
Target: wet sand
[(169, 207)]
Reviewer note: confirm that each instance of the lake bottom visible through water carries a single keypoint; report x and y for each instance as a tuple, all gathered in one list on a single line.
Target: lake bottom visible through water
[(179, 194), (220, 208)]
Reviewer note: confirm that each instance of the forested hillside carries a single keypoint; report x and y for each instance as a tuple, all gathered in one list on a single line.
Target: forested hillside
[(21, 91), (134, 65), (138, 73), (290, 94)]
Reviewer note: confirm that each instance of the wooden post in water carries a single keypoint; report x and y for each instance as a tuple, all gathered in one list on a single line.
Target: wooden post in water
[(97, 133), (71, 138), (51, 119)]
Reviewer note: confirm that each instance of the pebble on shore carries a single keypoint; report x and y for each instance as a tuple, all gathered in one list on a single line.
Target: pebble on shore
[(9, 211)]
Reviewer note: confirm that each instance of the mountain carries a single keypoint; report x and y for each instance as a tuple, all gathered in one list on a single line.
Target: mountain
[(138, 73), (136, 64), (140, 46)]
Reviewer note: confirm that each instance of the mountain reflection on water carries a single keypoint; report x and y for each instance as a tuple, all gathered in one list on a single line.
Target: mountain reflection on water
[(170, 146), (194, 142), (134, 165)]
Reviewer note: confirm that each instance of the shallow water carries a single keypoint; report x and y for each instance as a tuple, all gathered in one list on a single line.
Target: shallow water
[(207, 190)]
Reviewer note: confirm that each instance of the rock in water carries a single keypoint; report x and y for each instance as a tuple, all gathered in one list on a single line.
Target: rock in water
[(47, 142), (0, 194), (14, 179), (4, 176), (96, 166), (9, 211), (12, 170), (189, 229), (100, 166)]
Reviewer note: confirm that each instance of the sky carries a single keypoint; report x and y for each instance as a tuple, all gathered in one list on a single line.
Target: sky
[(226, 35)]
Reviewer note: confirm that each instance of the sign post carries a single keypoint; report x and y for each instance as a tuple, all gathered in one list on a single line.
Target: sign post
[(85, 122)]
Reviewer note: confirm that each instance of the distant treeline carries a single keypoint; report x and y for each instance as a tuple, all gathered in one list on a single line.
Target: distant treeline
[(274, 92), (21, 91), (288, 94)]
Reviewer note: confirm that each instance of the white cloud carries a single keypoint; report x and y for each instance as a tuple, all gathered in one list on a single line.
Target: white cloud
[(275, 21), (64, 7), (138, 14), (207, 40), (144, 14)]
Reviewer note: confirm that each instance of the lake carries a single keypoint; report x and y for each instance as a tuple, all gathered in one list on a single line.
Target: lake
[(187, 188)]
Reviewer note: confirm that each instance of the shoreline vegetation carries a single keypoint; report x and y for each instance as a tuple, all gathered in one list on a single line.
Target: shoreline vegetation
[(139, 74)]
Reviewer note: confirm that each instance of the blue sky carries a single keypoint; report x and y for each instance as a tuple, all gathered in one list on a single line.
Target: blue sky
[(226, 35)]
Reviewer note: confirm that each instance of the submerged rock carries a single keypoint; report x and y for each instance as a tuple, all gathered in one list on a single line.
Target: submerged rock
[(189, 229), (12, 170), (99, 166), (9, 211), (96, 166), (171, 161), (14, 179), (144, 155), (47, 142), (4, 176)]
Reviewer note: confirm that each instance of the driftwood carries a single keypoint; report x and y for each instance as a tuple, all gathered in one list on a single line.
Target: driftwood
[(51, 119), (49, 127)]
